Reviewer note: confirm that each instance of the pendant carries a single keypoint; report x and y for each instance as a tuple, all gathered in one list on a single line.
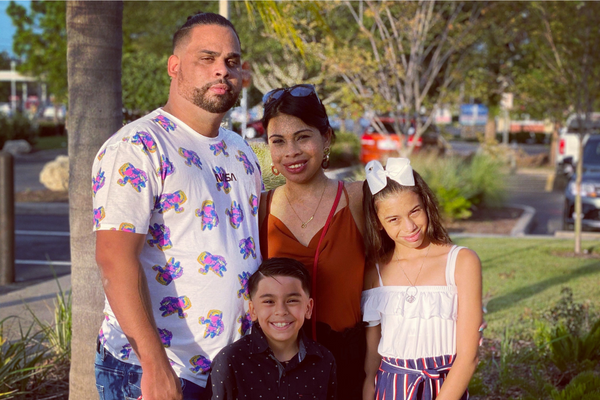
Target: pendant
[(411, 296), (304, 224)]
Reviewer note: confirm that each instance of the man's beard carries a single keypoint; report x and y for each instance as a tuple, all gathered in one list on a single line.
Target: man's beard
[(199, 96)]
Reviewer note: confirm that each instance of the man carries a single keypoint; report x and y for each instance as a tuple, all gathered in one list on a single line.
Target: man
[(175, 214)]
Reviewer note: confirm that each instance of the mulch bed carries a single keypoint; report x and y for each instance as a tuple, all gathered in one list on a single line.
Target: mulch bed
[(46, 195), (498, 221)]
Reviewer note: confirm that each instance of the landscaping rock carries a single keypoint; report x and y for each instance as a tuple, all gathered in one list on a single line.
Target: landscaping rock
[(16, 147), (55, 174)]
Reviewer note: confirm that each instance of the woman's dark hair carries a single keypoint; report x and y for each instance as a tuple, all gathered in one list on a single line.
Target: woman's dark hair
[(279, 266), (201, 18), (378, 243), (308, 108)]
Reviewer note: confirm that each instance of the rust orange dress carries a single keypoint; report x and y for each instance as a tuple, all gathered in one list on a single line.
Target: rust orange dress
[(340, 269)]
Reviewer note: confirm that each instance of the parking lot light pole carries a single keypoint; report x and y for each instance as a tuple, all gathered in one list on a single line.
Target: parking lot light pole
[(7, 219)]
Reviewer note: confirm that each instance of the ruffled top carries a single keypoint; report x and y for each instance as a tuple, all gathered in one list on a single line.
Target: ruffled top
[(423, 328)]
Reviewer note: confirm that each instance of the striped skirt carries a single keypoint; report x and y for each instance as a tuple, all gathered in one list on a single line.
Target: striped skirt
[(419, 379)]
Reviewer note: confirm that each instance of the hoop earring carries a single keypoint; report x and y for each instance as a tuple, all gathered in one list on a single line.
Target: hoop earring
[(274, 170), (325, 162)]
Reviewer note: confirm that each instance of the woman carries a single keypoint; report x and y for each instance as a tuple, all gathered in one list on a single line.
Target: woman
[(293, 224)]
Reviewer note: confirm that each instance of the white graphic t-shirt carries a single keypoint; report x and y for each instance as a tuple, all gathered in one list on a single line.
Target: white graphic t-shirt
[(196, 200)]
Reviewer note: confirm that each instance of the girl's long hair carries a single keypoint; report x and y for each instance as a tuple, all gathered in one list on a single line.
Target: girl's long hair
[(377, 242)]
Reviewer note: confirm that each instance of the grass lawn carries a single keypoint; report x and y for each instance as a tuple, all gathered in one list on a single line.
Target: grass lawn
[(523, 277), (50, 142)]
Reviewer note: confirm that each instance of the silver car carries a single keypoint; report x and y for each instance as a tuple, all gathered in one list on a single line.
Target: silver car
[(590, 188)]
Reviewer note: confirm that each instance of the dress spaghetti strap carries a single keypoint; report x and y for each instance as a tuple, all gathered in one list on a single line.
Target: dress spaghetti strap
[(379, 275), (451, 265)]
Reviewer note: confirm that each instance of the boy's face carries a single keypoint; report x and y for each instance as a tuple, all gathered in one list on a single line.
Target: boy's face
[(280, 305)]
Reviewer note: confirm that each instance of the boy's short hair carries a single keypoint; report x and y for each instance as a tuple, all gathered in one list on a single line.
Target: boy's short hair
[(201, 18), (280, 266)]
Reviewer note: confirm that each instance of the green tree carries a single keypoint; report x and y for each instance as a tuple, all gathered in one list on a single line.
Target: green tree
[(40, 42), (569, 65), (4, 86), (94, 41)]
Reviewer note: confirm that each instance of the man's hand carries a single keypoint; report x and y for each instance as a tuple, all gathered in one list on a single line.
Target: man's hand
[(160, 383)]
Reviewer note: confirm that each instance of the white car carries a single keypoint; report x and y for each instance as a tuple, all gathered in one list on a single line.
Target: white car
[(568, 144)]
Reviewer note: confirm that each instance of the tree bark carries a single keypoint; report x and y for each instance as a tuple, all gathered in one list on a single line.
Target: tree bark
[(94, 43)]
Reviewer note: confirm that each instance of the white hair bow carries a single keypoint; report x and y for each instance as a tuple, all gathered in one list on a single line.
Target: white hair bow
[(398, 169)]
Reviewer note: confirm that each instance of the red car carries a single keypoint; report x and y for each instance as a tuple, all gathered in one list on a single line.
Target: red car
[(377, 146)]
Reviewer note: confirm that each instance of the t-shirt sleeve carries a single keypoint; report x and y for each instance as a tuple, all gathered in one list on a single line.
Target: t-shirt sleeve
[(222, 379), (125, 184)]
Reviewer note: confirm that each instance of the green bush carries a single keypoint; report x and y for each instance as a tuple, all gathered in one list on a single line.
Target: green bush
[(459, 183), (345, 151), (585, 386), (17, 127), (270, 180)]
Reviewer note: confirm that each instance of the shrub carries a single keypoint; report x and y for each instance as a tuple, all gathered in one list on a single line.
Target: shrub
[(345, 151), (584, 386), (270, 180), (459, 183), (15, 128)]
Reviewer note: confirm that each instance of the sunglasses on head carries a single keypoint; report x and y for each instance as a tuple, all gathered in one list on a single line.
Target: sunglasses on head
[(302, 90)]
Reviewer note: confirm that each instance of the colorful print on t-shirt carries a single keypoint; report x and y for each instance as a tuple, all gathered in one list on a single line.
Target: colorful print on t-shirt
[(208, 215), (166, 168), (243, 158), (243, 292), (253, 200), (214, 323), (165, 122), (161, 237), (98, 216), (126, 351), (170, 201), (201, 364), (172, 305), (219, 148), (247, 248), (144, 139), (191, 157), (212, 263), (235, 214), (165, 337), (98, 182), (172, 270), (222, 179), (245, 323), (131, 174)]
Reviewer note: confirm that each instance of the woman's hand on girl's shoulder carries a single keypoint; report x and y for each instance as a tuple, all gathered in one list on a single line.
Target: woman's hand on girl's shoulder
[(355, 195)]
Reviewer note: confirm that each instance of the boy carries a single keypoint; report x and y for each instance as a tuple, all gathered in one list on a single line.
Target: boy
[(275, 360)]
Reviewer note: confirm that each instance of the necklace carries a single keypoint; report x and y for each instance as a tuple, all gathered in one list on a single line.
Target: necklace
[(411, 295), (305, 224)]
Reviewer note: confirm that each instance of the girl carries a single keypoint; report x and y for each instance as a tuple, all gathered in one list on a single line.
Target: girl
[(422, 299), (319, 222)]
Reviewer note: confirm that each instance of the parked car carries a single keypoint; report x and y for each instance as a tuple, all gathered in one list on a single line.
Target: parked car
[(568, 143), (377, 146), (254, 130), (590, 188)]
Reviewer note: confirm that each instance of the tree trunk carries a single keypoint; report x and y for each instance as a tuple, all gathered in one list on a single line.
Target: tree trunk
[(94, 43)]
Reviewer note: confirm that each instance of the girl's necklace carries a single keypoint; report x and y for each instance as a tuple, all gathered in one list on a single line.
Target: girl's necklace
[(305, 224), (411, 295)]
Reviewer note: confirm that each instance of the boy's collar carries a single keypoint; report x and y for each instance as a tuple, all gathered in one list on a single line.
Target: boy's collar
[(259, 344)]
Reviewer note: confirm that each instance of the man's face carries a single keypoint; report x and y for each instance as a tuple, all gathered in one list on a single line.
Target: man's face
[(209, 69)]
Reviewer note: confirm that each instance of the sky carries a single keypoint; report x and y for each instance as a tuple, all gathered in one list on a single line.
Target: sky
[(7, 29)]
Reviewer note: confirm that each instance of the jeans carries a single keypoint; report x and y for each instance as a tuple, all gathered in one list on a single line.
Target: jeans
[(117, 380)]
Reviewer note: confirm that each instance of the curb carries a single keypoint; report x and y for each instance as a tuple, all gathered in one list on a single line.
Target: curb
[(33, 208), (571, 235), (523, 225)]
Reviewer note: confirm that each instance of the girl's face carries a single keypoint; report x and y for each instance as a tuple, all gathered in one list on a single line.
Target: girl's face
[(403, 217), (296, 148)]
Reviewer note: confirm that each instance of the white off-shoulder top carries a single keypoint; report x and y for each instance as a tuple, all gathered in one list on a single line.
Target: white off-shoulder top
[(423, 328)]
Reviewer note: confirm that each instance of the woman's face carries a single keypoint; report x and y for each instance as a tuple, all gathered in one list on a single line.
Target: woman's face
[(297, 149)]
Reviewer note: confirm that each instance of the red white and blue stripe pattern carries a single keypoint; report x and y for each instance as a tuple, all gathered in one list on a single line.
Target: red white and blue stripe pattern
[(419, 379)]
